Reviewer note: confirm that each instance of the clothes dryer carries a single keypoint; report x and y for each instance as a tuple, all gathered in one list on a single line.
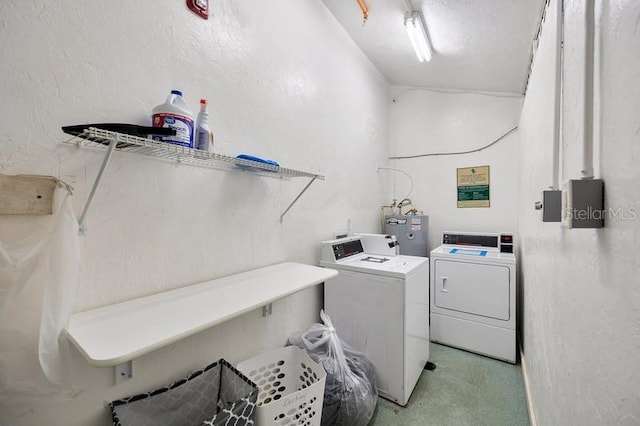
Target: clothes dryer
[(473, 294)]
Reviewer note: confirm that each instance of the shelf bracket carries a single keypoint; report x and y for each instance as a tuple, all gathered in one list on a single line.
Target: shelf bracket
[(96, 184), (123, 372), (297, 198), (267, 310)]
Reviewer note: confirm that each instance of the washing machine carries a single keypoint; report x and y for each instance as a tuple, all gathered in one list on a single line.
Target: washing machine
[(379, 304), (473, 294)]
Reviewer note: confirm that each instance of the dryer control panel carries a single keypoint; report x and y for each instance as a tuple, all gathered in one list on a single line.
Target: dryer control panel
[(477, 240), (506, 243), (499, 242)]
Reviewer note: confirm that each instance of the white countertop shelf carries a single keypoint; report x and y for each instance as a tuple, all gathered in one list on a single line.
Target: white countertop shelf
[(115, 334)]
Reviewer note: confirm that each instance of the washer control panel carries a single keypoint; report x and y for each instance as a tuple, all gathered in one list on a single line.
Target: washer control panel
[(347, 249), (342, 248)]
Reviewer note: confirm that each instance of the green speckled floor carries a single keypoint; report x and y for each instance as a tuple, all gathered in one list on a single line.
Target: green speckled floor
[(464, 389)]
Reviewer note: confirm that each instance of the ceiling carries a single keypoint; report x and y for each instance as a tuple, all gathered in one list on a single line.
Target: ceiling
[(478, 45)]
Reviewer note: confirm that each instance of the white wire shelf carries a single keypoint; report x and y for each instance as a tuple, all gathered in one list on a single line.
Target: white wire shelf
[(101, 139), (110, 141)]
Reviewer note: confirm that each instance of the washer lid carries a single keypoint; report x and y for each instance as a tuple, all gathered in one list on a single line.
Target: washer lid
[(390, 266)]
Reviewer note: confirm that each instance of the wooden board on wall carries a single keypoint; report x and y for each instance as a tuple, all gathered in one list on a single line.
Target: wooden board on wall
[(26, 195)]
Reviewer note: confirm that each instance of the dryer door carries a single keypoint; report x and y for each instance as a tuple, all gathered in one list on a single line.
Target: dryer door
[(474, 288)]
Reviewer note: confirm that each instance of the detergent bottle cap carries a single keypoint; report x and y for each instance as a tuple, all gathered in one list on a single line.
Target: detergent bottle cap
[(176, 92)]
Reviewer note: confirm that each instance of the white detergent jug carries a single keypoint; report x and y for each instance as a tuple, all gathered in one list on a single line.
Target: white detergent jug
[(174, 113)]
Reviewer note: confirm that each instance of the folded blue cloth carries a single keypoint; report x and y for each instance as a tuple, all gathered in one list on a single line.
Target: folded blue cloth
[(256, 159)]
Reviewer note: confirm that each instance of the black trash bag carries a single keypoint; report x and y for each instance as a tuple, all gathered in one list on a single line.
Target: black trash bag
[(350, 392)]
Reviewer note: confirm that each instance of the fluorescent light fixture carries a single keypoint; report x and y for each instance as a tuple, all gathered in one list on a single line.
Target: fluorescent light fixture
[(417, 35)]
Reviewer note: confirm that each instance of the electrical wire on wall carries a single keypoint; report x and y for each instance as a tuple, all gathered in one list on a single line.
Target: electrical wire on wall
[(404, 173), (405, 157), (455, 92)]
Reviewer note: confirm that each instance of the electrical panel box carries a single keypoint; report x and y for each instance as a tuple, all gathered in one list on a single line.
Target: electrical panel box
[(583, 203), (552, 206)]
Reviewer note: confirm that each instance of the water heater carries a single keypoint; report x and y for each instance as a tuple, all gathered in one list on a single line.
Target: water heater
[(411, 231)]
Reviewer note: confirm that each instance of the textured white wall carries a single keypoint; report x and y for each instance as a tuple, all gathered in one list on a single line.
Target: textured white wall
[(284, 81), (581, 331), (427, 121)]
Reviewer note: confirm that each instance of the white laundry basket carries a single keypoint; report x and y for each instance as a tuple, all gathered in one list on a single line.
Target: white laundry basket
[(291, 387)]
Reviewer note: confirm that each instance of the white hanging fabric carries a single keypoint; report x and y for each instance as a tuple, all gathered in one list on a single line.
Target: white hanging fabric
[(38, 281)]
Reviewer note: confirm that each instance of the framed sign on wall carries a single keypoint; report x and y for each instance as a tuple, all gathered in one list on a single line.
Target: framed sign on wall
[(473, 187)]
